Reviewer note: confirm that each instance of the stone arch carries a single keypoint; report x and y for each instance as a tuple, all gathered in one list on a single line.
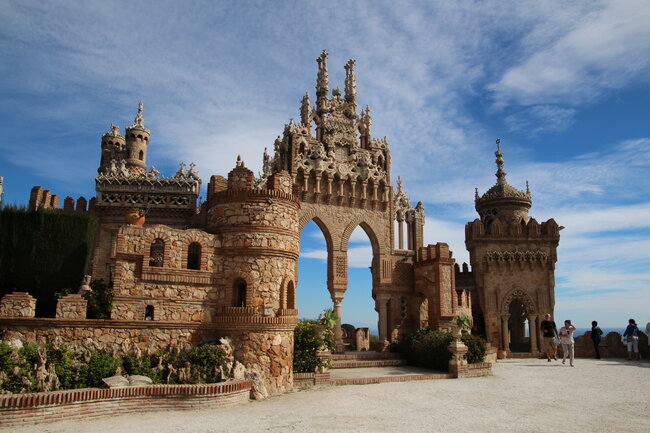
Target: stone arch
[(311, 215), (240, 293), (152, 236), (370, 231), (521, 295)]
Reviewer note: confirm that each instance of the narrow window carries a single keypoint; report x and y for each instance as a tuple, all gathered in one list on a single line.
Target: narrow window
[(291, 296), (148, 312), (157, 253), (141, 155), (239, 293), (194, 256)]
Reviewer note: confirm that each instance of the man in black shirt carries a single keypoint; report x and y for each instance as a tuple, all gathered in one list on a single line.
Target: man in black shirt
[(549, 333)]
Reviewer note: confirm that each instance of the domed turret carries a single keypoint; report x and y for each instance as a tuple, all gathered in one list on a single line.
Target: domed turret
[(113, 144), (503, 200), (137, 141)]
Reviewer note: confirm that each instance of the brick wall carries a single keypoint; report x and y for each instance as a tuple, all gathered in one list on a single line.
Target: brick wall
[(42, 407)]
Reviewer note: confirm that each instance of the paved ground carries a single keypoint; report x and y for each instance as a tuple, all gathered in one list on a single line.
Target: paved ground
[(348, 373), (522, 396)]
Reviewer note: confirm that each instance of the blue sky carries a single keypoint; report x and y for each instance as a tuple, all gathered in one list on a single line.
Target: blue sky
[(565, 85)]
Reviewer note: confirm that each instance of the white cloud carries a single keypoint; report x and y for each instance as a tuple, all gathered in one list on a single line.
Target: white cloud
[(603, 50)]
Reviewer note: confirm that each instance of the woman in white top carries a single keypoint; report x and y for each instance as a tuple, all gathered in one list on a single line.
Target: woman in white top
[(566, 339)]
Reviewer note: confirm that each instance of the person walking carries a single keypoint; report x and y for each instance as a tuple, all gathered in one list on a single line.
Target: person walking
[(566, 339), (631, 336), (596, 336), (549, 332)]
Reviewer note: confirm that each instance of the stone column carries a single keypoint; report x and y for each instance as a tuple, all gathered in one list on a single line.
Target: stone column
[(400, 230), (457, 363), (338, 332), (532, 325), (382, 300), (505, 337)]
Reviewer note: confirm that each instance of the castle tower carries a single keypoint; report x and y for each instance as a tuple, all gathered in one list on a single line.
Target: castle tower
[(513, 266), (137, 141), (113, 146), (260, 247)]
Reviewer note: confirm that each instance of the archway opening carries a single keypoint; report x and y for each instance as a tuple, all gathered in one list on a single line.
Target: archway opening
[(358, 306), (517, 323), (312, 295)]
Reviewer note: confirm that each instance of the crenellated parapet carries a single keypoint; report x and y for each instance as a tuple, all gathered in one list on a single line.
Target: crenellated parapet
[(44, 199), (496, 229)]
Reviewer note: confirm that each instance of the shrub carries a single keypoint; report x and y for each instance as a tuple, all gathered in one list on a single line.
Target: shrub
[(101, 365), (426, 348), (205, 361), (100, 300), (306, 344), (476, 348)]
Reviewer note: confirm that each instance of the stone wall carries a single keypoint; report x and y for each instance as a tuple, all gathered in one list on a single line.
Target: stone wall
[(610, 346), (72, 306)]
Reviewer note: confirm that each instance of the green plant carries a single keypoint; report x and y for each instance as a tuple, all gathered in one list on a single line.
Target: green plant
[(100, 300), (463, 322), (426, 348), (476, 348), (101, 365), (306, 345), (328, 318)]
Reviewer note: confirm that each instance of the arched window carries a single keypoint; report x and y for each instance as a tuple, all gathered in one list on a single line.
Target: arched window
[(141, 156), (194, 256), (291, 296), (239, 293), (148, 312), (157, 253)]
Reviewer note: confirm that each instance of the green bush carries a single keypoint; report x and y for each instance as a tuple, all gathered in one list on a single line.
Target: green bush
[(204, 360), (100, 300), (426, 348), (101, 365), (307, 343), (476, 348)]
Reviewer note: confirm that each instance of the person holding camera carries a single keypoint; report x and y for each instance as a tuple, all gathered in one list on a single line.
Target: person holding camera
[(567, 342), (549, 332)]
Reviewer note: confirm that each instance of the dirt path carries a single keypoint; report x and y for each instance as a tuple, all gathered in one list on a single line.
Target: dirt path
[(522, 396)]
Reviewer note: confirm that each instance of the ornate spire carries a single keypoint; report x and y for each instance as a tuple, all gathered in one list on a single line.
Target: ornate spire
[(500, 174), (365, 123), (350, 83), (305, 110), (322, 81)]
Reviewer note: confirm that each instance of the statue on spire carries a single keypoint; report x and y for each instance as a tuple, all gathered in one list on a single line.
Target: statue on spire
[(322, 82), (139, 120), (350, 83), (305, 110)]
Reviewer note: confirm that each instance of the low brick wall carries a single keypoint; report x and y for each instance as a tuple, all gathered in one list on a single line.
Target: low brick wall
[(304, 380), (479, 369), (41, 407)]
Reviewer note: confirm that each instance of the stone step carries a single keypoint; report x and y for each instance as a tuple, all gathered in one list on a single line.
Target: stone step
[(362, 376), (364, 356), (523, 355), (365, 363)]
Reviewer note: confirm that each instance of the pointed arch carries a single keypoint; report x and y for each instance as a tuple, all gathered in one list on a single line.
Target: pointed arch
[(522, 296)]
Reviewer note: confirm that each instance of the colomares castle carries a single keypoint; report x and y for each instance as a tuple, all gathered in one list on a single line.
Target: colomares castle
[(185, 272)]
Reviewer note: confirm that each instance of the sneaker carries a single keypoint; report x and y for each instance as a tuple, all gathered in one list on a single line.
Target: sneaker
[(563, 361), (554, 358), (549, 359), (571, 365)]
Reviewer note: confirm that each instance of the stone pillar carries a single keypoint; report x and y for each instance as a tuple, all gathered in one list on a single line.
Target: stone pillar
[(457, 363), (504, 335), (382, 300), (338, 332), (532, 326), (400, 229), (17, 304), (71, 306)]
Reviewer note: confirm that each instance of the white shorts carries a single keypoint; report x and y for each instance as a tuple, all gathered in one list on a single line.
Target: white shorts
[(633, 344)]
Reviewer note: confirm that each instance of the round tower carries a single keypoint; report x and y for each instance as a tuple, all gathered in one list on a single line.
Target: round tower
[(503, 201), (260, 247), (137, 141), (112, 149)]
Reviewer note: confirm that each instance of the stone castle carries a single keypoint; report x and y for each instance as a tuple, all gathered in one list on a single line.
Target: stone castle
[(228, 266)]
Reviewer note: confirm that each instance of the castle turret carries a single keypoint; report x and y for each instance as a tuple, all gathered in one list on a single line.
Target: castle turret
[(113, 144), (260, 246), (137, 141), (503, 201)]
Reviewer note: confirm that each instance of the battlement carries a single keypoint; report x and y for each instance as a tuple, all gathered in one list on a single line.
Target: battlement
[(439, 251), (44, 199), (495, 229)]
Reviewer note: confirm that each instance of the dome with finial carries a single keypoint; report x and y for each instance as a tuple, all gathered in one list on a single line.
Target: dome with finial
[(503, 200)]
